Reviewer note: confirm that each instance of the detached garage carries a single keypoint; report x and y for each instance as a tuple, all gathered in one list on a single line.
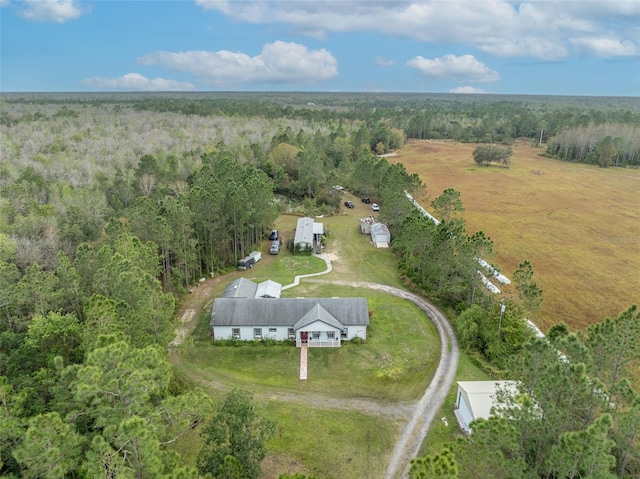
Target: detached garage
[(380, 235), (476, 398)]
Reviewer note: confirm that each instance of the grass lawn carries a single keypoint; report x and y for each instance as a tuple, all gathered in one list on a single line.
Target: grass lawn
[(309, 440), (578, 224), (328, 444)]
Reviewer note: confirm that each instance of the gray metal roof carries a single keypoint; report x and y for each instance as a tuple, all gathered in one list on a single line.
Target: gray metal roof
[(286, 311), (268, 289), (379, 229), (240, 288), (318, 313), (304, 231)]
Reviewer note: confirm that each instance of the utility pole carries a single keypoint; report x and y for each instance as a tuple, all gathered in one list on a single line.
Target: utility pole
[(503, 307)]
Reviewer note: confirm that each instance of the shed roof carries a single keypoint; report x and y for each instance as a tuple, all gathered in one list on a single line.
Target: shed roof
[(481, 395), (304, 231), (379, 228), (268, 289), (286, 311), (240, 288)]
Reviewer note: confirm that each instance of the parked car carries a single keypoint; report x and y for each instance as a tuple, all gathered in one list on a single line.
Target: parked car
[(273, 235), (375, 207), (275, 247), (349, 204), (366, 200)]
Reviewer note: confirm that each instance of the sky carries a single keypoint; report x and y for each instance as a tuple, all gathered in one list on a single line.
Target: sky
[(568, 47)]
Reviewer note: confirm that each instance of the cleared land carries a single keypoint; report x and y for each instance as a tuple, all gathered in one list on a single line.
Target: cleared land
[(343, 422), (578, 224)]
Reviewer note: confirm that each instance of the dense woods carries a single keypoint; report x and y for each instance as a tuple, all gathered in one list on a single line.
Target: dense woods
[(111, 207)]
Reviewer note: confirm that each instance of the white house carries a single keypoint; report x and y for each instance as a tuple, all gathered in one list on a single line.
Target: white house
[(476, 398), (320, 322), (380, 235), (308, 234)]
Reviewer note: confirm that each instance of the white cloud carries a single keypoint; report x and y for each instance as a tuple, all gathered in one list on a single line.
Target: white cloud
[(136, 82), (385, 62), (451, 67), (539, 29), (58, 11), (4, 3), (605, 47), (279, 62), (467, 89)]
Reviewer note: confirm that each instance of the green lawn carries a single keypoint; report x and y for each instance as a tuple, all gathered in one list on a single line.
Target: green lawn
[(326, 443), (394, 364)]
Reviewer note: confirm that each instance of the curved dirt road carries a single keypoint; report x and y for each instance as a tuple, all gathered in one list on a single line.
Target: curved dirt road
[(426, 408)]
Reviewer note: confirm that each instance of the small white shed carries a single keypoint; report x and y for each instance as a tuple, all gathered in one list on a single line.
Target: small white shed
[(380, 235)]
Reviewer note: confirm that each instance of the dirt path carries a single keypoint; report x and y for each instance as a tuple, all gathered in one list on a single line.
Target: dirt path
[(417, 417)]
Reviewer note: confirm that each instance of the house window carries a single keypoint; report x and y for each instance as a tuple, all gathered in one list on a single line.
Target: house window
[(331, 335), (257, 333), (344, 334), (273, 330), (292, 333), (315, 335), (235, 333)]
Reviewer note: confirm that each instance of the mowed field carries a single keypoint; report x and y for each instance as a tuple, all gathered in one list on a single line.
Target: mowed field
[(578, 224)]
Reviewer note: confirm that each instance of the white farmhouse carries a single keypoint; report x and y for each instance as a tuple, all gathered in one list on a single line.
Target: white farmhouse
[(320, 322)]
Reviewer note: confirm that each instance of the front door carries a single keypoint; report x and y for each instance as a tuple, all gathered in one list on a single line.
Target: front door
[(303, 336)]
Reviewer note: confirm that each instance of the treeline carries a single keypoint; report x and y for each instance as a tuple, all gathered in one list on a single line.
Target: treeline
[(573, 413), (471, 120), (605, 145)]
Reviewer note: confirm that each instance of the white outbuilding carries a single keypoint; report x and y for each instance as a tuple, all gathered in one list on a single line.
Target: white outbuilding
[(476, 398), (308, 234), (380, 236)]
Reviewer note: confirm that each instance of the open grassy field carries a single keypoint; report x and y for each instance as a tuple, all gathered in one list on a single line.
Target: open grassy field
[(578, 224)]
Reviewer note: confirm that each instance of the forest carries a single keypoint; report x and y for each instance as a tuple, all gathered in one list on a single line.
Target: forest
[(113, 206)]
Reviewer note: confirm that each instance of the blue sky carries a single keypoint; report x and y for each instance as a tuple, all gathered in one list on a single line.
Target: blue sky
[(569, 47)]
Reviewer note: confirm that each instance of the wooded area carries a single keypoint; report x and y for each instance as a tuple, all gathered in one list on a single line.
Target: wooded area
[(112, 207)]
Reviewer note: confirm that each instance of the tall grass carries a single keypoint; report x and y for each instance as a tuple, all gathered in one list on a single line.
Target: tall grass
[(578, 224)]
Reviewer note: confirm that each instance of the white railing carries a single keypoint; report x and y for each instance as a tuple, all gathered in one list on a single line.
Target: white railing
[(320, 343)]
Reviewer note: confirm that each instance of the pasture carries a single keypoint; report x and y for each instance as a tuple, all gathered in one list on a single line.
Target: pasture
[(578, 224)]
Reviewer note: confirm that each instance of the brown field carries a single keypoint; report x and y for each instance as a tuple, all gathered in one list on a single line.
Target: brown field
[(578, 224)]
